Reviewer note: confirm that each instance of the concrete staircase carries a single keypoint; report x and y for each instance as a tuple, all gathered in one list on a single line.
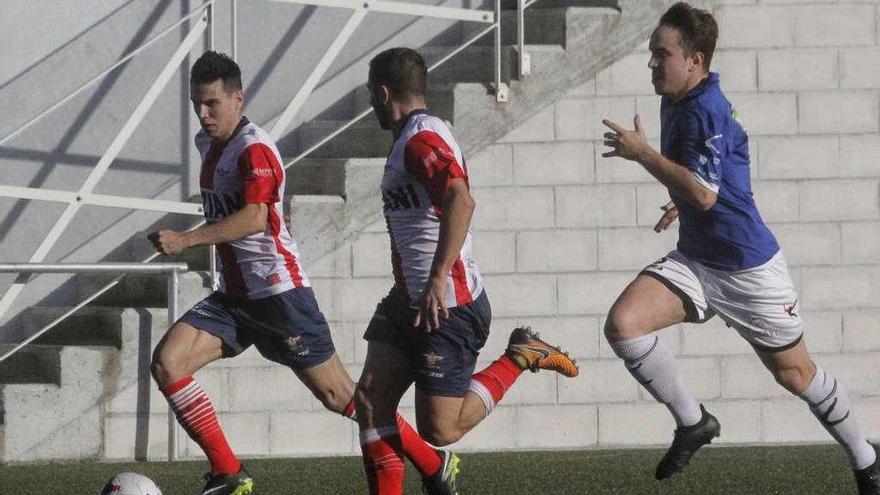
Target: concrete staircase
[(68, 395)]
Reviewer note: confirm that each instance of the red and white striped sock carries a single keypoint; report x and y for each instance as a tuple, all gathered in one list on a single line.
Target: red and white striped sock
[(196, 415), (492, 383), (383, 460), (425, 459)]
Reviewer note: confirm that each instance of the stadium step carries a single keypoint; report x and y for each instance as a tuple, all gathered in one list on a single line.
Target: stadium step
[(32, 364), (53, 396), (543, 25), (476, 63), (316, 176), (90, 326), (150, 290)]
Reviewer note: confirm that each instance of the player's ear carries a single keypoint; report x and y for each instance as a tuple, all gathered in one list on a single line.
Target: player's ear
[(697, 60), (384, 94)]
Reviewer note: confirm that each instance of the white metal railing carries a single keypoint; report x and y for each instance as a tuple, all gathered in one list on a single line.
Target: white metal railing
[(173, 271), (84, 195), (204, 25), (204, 16)]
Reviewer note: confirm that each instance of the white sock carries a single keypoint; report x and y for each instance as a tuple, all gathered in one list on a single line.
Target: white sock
[(832, 407), (651, 363)]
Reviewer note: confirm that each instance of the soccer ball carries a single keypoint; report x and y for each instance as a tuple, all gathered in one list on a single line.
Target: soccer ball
[(130, 484)]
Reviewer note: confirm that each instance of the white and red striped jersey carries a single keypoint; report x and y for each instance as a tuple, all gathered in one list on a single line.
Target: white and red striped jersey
[(423, 162), (247, 169)]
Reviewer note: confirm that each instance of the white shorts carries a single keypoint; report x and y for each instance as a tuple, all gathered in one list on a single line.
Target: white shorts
[(760, 303)]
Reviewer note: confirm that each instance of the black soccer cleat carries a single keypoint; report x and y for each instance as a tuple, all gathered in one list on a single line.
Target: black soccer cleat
[(868, 479), (443, 481), (239, 483), (685, 443)]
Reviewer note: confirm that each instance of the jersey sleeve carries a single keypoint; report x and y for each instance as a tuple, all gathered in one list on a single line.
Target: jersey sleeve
[(431, 160), (260, 173), (701, 150)]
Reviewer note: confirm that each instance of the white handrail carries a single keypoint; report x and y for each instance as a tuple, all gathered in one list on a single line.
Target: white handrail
[(405, 8), (100, 76), (368, 111), (84, 196), (318, 72), (172, 269), (112, 151)]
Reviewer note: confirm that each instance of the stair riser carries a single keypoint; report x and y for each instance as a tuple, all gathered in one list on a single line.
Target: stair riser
[(84, 327), (151, 291), (64, 421), (542, 27), (31, 365)]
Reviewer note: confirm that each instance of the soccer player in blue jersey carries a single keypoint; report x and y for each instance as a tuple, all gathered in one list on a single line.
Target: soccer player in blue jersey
[(727, 261)]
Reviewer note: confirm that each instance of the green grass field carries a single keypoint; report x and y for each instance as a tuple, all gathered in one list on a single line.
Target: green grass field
[(739, 470)]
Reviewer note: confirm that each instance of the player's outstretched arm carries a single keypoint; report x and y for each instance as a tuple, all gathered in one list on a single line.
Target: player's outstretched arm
[(632, 145), (458, 207), (249, 220)]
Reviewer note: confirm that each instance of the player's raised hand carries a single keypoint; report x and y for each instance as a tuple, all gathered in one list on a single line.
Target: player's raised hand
[(433, 305), (168, 241), (625, 143), (670, 213)]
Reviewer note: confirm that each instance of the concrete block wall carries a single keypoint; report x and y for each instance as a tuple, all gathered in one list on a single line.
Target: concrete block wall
[(560, 231)]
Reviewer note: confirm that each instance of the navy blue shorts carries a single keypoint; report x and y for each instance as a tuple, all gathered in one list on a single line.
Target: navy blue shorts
[(442, 361), (287, 328)]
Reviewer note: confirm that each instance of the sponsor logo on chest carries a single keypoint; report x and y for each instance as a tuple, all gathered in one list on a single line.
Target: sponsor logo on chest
[(403, 197), (220, 204)]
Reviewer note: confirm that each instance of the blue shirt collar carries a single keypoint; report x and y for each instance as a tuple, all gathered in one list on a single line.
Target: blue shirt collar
[(712, 80)]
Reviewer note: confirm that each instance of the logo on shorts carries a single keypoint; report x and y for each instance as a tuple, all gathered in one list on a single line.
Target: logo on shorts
[(789, 309), (432, 360), (658, 265), (294, 343)]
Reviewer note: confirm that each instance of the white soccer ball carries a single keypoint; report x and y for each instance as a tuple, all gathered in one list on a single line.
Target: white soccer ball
[(130, 484)]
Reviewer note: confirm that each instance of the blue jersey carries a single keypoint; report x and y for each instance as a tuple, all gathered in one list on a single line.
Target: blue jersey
[(701, 132)]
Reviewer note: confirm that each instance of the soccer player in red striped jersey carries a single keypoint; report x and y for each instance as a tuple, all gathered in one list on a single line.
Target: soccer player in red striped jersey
[(264, 297), (432, 325)]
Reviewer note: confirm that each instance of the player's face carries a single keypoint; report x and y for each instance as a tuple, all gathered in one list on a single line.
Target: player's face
[(672, 69), (381, 102), (218, 109)]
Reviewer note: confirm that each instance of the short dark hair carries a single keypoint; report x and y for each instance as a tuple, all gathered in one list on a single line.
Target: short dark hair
[(212, 66), (697, 28), (403, 70)]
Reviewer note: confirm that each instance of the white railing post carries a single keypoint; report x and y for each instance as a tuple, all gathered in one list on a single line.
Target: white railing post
[(500, 87), (209, 36), (523, 58), (212, 266), (173, 293), (234, 22)]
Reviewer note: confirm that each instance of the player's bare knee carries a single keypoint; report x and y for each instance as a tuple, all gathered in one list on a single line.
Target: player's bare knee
[(620, 326), (440, 436), (795, 380), (166, 369), (367, 402), (333, 399)]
